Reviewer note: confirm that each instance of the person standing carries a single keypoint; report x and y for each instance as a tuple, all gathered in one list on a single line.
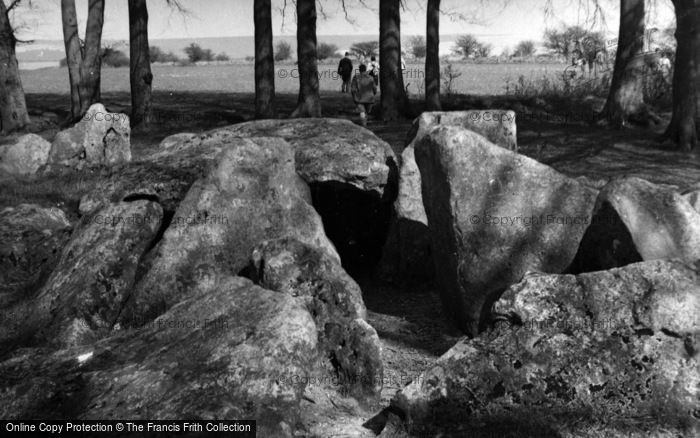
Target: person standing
[(345, 72), (373, 70), (363, 90)]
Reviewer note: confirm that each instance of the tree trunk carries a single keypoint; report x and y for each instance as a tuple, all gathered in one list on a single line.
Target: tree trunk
[(84, 63), (309, 99), (264, 61), (626, 96), (13, 107), (74, 56), (432, 57), (140, 64), (90, 69), (394, 102), (684, 128)]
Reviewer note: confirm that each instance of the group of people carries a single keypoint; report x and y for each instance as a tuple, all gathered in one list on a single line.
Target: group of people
[(362, 86)]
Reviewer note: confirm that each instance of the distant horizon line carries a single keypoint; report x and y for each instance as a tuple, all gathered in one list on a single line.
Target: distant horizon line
[(369, 35)]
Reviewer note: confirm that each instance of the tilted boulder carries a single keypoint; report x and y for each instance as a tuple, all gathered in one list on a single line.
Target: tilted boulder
[(25, 156), (31, 241), (637, 220), (164, 176), (349, 345), (177, 140), (603, 347), (494, 215), (100, 138), (251, 195), (86, 291), (694, 199), (692, 195), (407, 253), (230, 350), (352, 174), (326, 150)]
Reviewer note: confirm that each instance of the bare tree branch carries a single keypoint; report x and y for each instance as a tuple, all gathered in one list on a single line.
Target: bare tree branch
[(283, 12), (13, 5), (454, 14), (177, 6), (320, 11), (344, 7), (594, 11)]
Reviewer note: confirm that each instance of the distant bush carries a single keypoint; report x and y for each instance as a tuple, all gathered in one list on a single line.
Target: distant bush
[(524, 49), (466, 45), (470, 47), (483, 50), (158, 55), (448, 76), (222, 57), (325, 51), (564, 85), (418, 46), (63, 63), (114, 58), (365, 48), (283, 51), (196, 53), (250, 58)]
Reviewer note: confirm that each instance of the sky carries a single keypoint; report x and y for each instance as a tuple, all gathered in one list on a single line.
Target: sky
[(499, 22)]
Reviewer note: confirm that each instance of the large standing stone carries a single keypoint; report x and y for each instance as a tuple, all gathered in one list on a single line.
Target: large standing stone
[(494, 215), (100, 137), (350, 345), (606, 347), (251, 195), (25, 156), (31, 240), (637, 220), (231, 350), (407, 253), (85, 293)]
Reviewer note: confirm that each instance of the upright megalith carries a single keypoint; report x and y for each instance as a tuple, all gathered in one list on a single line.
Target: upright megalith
[(494, 215), (407, 252)]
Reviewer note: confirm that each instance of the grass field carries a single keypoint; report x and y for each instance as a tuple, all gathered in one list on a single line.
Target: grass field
[(481, 79)]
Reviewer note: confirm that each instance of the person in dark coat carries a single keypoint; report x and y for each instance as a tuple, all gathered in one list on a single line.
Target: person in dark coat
[(345, 72)]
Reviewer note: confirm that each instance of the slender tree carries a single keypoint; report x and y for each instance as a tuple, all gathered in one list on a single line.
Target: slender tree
[(309, 100), (264, 61), (84, 61), (626, 96), (684, 129), (394, 101), (432, 57), (13, 107), (140, 64)]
